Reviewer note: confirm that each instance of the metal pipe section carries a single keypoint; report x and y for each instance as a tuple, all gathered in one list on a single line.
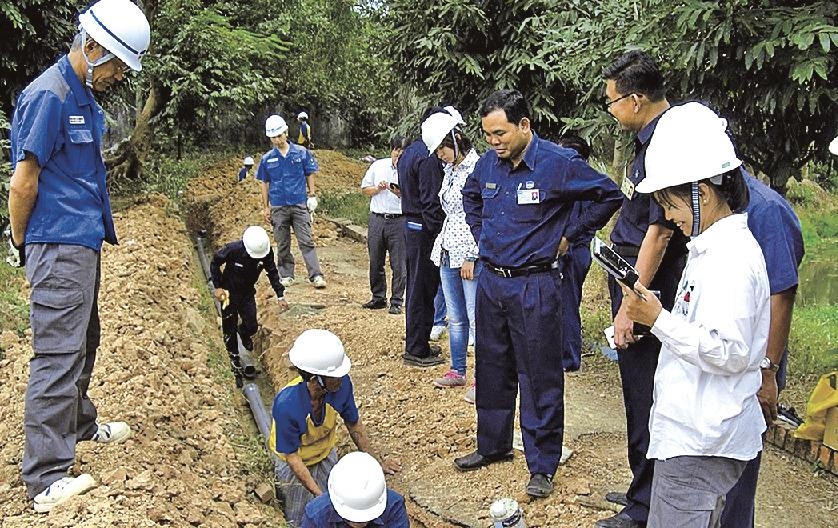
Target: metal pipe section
[(248, 365)]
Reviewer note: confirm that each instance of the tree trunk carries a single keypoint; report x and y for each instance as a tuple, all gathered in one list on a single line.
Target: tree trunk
[(127, 161)]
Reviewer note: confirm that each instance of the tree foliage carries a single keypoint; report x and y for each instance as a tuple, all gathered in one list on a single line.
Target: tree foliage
[(767, 65)]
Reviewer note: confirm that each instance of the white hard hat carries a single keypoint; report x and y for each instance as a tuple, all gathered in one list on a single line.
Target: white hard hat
[(690, 144), (436, 127), (256, 242), (357, 487), (320, 352), (275, 126), (248, 160), (120, 27), (833, 146), (302, 115)]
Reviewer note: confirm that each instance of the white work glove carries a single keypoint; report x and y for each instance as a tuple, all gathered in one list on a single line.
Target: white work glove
[(311, 203)]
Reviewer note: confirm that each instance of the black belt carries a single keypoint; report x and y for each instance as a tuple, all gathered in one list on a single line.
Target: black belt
[(626, 251), (523, 270), (388, 216)]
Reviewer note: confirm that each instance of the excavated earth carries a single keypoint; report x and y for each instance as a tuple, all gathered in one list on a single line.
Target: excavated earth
[(196, 458)]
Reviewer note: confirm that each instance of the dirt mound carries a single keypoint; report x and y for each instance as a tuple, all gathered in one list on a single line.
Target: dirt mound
[(181, 467)]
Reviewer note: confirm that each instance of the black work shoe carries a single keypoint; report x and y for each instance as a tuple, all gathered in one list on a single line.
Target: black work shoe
[(621, 520), (436, 350), (540, 485), (395, 309), (417, 361), (617, 497), (375, 304), (475, 460)]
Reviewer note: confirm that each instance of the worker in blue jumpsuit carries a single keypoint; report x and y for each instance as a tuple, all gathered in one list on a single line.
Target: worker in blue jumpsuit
[(636, 97), (60, 210), (575, 265), (776, 229), (420, 179), (518, 201)]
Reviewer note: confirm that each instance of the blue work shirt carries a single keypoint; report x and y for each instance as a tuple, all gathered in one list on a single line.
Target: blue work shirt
[(57, 121), (549, 179), (776, 228), (321, 514), (286, 175), (639, 210)]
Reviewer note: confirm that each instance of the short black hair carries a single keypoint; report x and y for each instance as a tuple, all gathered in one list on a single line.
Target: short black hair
[(463, 142), (431, 110), (510, 101), (636, 72), (575, 142), (398, 142), (733, 188)]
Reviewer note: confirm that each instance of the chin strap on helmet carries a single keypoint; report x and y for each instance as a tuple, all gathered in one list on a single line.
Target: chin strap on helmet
[(696, 209), (88, 76)]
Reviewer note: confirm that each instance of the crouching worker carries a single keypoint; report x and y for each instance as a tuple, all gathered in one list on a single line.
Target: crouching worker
[(243, 261), (304, 426), (358, 497)]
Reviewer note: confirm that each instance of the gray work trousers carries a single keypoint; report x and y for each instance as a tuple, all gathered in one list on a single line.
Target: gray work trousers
[(64, 317), (689, 491), (387, 235), (283, 219)]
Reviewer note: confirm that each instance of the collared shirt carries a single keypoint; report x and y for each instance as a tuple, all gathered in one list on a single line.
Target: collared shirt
[(638, 210), (456, 237), (241, 270), (777, 231), (58, 122), (519, 215), (383, 202), (286, 175), (321, 514), (712, 342), (294, 431)]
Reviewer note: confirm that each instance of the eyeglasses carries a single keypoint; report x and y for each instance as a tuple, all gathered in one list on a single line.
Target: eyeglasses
[(606, 105)]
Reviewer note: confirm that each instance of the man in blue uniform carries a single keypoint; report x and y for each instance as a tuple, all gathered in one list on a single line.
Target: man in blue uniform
[(636, 97), (518, 201), (420, 179), (60, 209), (243, 262), (575, 265), (287, 175), (777, 231), (358, 497)]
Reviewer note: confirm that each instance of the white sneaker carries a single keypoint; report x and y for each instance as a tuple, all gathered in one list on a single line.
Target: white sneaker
[(61, 491), (437, 331), (319, 282), (286, 281), (112, 433)]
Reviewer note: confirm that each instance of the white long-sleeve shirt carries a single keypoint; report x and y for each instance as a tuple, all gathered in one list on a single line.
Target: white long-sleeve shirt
[(708, 372)]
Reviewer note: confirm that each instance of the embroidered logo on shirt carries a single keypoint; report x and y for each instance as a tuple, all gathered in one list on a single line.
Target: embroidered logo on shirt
[(76, 120), (490, 185)]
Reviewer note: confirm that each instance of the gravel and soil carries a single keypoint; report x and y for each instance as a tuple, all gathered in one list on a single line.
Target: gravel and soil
[(195, 459)]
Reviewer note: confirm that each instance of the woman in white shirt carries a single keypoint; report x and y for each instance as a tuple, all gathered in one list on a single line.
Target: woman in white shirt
[(706, 421), (454, 250)]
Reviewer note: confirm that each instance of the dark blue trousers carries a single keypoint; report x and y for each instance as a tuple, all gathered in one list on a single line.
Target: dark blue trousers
[(518, 346), (575, 267), (637, 372), (422, 284)]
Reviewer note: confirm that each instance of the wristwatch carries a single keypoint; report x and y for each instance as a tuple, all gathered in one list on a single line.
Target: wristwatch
[(766, 364)]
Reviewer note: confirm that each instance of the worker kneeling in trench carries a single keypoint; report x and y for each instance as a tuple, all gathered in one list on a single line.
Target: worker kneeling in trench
[(304, 426)]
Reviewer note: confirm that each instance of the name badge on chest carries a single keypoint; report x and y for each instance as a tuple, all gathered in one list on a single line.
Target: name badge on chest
[(627, 187), (528, 196)]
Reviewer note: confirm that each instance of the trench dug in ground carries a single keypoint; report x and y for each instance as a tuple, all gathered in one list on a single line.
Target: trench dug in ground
[(196, 459)]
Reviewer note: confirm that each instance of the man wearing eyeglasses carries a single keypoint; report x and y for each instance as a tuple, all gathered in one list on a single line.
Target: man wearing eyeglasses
[(636, 97)]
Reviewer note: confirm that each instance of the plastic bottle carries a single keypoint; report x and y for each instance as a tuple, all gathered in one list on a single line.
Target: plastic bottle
[(505, 513)]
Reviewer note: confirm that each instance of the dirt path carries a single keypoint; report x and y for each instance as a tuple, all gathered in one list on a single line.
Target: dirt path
[(191, 462)]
